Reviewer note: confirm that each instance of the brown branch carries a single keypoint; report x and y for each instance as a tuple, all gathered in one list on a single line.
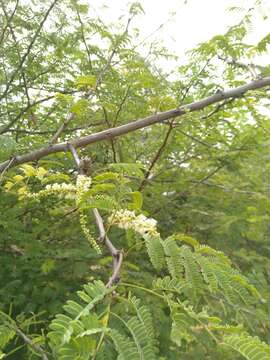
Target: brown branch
[(121, 106), (135, 125), (84, 39), (89, 95), (6, 128), (156, 158), (250, 67), (116, 254), (217, 108), (9, 19), (111, 140), (204, 143)]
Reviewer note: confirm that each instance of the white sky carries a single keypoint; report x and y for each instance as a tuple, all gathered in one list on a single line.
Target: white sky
[(194, 22)]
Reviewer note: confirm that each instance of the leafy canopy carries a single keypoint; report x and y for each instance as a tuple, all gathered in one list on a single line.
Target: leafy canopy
[(152, 245)]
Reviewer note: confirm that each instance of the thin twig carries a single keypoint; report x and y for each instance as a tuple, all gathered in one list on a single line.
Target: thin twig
[(9, 164), (6, 127), (194, 81), (250, 67), (29, 342), (24, 57), (84, 39), (46, 132), (90, 94), (208, 176), (19, 57), (156, 157), (217, 108), (194, 138), (121, 106), (229, 189), (9, 19)]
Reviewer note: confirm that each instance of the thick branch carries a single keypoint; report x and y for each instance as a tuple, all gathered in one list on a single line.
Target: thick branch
[(135, 125)]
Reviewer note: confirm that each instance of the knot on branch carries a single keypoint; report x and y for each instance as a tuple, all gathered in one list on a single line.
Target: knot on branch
[(84, 166)]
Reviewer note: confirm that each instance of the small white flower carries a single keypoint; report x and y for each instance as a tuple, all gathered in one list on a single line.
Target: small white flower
[(126, 219)]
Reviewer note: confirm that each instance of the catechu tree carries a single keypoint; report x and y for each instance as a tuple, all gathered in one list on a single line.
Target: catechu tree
[(134, 201)]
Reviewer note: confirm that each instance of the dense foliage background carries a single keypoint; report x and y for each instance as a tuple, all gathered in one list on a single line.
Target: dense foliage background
[(203, 176)]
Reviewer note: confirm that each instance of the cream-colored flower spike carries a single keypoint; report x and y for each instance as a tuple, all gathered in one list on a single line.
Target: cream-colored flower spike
[(61, 190), (83, 184), (126, 219), (69, 191)]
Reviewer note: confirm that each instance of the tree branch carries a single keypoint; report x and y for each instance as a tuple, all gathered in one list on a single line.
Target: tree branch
[(116, 254), (135, 125), (91, 93), (250, 67), (6, 128), (84, 39), (112, 141), (9, 19), (156, 157)]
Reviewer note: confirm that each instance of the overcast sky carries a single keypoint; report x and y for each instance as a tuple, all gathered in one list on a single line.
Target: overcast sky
[(194, 22)]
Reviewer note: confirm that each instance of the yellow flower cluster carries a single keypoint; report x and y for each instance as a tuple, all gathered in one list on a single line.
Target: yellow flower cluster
[(64, 190), (126, 219), (83, 184), (87, 234), (69, 191)]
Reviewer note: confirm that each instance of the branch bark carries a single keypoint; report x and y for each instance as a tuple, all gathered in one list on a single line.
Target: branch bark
[(135, 125)]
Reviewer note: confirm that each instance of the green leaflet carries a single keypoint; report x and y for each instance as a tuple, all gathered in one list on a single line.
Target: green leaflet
[(67, 331), (250, 347), (155, 251)]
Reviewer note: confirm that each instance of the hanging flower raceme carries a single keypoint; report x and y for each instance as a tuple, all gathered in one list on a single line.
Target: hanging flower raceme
[(63, 190), (83, 184), (68, 191), (87, 234), (126, 219)]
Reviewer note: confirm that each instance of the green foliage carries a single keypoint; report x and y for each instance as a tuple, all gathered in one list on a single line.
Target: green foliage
[(69, 335), (193, 194), (155, 251), (75, 335), (251, 348)]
